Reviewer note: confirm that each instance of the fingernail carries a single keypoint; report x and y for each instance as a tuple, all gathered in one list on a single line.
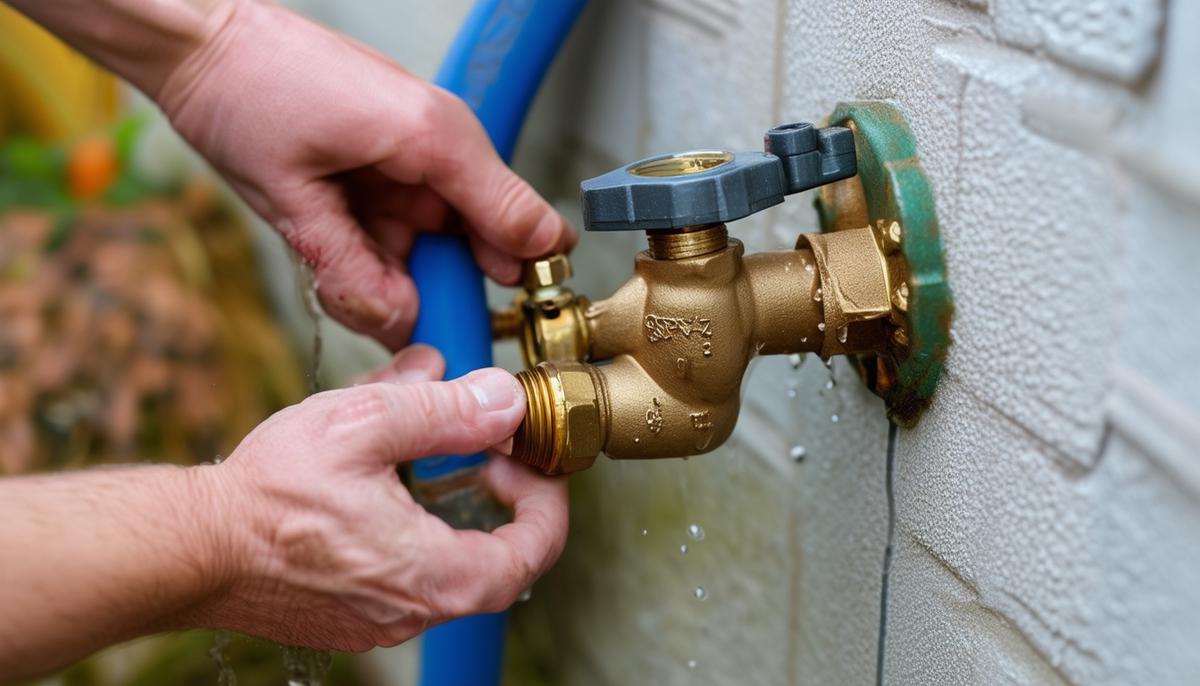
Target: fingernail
[(495, 390)]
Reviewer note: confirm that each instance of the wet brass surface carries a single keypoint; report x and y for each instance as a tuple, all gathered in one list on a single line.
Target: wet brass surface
[(673, 345), (674, 342), (856, 288)]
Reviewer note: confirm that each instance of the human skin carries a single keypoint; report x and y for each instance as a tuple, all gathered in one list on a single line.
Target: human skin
[(304, 534), (346, 154)]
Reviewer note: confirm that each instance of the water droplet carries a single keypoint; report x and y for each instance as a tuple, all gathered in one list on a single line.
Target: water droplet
[(691, 664), (645, 532), (843, 333), (834, 418), (637, 440), (796, 359), (820, 326), (808, 267), (793, 393), (696, 532), (700, 593), (683, 549), (817, 295), (829, 384), (798, 452), (525, 595)]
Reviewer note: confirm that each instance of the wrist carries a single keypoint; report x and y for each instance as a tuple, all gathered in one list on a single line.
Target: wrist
[(143, 42), (220, 548)]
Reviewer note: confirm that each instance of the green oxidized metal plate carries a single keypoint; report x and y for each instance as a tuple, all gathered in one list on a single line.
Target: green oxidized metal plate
[(892, 187)]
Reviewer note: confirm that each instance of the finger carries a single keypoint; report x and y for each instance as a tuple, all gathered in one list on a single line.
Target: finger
[(357, 283), (499, 266), (389, 423), (456, 159), (391, 212), (538, 531), (414, 364), (482, 572)]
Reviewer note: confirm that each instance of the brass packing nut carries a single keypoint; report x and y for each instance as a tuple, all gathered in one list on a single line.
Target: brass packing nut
[(564, 426), (547, 273), (553, 324)]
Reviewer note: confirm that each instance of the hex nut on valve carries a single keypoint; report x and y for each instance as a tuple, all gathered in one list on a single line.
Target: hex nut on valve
[(547, 273), (563, 429)]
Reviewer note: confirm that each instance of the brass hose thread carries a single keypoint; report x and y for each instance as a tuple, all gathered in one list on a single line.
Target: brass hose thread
[(691, 241), (566, 418)]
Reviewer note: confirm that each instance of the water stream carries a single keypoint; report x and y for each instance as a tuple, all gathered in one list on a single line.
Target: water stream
[(306, 666), (306, 280), (218, 653)]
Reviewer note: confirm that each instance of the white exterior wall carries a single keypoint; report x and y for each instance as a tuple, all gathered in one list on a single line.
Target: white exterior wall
[(1047, 505)]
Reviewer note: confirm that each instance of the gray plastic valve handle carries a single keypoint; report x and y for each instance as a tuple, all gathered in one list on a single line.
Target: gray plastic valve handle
[(712, 186)]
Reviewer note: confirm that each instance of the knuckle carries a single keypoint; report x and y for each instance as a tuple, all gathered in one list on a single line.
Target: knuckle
[(511, 199), (425, 402), (358, 406)]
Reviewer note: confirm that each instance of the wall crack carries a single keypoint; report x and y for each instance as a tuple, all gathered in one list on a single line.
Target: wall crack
[(887, 553)]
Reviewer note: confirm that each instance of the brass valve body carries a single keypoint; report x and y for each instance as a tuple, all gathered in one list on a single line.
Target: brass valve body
[(674, 342), (656, 369)]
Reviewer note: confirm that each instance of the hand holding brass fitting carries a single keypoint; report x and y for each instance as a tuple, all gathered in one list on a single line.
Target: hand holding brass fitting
[(656, 369)]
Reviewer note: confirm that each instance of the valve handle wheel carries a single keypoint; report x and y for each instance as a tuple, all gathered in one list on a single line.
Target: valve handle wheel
[(701, 187)]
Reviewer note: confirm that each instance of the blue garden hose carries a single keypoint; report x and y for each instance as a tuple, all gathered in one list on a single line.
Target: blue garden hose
[(495, 65)]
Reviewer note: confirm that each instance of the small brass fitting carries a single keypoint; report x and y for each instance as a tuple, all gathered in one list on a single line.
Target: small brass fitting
[(656, 369), (547, 317)]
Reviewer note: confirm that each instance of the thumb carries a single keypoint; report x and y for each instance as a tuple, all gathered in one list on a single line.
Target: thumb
[(395, 423)]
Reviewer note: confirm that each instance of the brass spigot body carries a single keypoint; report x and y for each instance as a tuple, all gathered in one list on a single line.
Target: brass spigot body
[(661, 369)]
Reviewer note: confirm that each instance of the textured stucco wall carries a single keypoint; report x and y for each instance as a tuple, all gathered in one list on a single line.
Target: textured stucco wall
[(1046, 508)]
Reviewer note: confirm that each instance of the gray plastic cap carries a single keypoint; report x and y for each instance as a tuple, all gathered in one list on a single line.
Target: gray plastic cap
[(709, 187), (623, 200)]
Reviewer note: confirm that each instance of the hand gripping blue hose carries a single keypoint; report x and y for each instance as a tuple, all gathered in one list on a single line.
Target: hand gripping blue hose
[(496, 64)]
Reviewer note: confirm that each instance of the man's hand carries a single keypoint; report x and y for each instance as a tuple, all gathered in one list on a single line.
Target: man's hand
[(304, 535), (349, 156), (344, 152), (326, 536)]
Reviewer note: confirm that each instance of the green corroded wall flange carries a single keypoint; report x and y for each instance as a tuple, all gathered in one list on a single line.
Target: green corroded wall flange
[(891, 187)]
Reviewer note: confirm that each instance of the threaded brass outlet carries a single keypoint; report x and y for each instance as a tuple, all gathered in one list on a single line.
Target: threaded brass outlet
[(563, 430), (692, 241)]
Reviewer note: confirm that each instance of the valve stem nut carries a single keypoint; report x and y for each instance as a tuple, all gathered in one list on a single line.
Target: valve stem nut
[(565, 420), (546, 273)]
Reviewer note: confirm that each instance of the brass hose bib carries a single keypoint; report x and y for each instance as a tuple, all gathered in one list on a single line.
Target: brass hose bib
[(656, 369)]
